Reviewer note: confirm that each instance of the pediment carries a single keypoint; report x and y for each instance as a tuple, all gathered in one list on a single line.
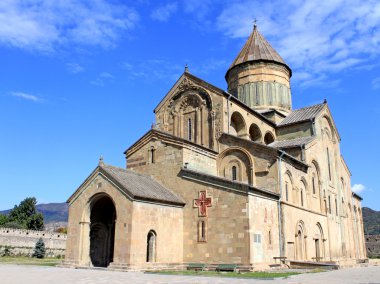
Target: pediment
[(189, 83)]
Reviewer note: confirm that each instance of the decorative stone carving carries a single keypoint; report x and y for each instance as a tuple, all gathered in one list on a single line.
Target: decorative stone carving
[(202, 203), (186, 84)]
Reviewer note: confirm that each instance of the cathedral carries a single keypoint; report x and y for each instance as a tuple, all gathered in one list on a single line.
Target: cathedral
[(223, 177)]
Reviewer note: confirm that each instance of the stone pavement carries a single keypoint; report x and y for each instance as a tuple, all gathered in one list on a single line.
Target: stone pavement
[(53, 275)]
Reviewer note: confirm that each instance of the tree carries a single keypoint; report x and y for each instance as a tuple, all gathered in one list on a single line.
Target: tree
[(35, 222), (39, 249), (3, 219), (25, 214)]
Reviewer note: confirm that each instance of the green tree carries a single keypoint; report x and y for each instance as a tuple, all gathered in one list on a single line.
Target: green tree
[(35, 222), (3, 220), (39, 249), (25, 214)]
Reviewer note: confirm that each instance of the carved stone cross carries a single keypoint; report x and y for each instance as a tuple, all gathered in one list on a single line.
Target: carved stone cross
[(202, 203)]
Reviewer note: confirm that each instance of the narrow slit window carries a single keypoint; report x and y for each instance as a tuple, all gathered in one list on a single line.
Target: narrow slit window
[(189, 129), (328, 163), (286, 192), (152, 155), (329, 204), (234, 173), (269, 237), (301, 197), (313, 182), (202, 235)]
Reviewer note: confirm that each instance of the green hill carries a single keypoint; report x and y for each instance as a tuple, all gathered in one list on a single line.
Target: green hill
[(371, 220), (53, 212)]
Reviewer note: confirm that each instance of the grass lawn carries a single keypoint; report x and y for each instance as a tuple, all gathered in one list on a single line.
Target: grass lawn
[(22, 260), (258, 274)]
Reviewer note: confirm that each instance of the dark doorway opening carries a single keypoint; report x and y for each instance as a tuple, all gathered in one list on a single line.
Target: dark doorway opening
[(102, 231), (151, 247)]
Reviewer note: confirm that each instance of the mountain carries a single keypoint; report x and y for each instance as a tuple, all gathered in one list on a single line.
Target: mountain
[(58, 213), (53, 212), (371, 220)]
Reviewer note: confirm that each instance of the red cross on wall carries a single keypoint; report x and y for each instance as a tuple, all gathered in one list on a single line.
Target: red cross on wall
[(202, 203)]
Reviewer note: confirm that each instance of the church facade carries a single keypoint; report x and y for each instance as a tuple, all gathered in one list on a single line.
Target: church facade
[(233, 176)]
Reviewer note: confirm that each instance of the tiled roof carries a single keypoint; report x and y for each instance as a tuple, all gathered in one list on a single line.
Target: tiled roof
[(291, 143), (141, 186), (257, 48), (302, 114)]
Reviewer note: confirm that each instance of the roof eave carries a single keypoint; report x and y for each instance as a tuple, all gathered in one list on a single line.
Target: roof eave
[(259, 61)]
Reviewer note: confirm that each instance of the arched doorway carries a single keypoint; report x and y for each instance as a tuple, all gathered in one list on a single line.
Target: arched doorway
[(151, 247), (318, 242), (102, 231), (300, 253)]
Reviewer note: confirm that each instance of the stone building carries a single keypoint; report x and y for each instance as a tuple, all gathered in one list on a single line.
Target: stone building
[(233, 176)]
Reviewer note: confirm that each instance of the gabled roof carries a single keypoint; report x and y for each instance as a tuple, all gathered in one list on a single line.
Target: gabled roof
[(211, 87), (135, 185), (302, 114), (257, 48), (292, 143)]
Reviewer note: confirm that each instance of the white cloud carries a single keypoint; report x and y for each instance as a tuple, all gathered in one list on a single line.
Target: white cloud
[(358, 188), (102, 79), (163, 13), (376, 83), (153, 69), (44, 25), (316, 37), (74, 68), (201, 8), (26, 96)]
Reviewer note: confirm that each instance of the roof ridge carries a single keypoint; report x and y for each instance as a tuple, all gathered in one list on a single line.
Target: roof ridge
[(127, 170), (306, 107)]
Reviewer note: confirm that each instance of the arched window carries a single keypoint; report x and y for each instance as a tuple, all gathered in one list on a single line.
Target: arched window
[(238, 126), (255, 133), (268, 138), (152, 155), (301, 197), (234, 173), (313, 184), (151, 247), (189, 130)]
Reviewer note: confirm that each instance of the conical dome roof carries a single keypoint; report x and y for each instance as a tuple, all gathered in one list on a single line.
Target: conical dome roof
[(257, 48)]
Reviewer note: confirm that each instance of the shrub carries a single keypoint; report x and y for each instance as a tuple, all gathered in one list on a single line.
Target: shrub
[(39, 249), (7, 251)]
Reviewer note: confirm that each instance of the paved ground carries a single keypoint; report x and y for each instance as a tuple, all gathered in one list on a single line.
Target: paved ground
[(52, 275)]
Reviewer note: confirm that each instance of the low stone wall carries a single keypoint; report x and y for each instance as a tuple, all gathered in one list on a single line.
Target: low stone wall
[(373, 246), (22, 242)]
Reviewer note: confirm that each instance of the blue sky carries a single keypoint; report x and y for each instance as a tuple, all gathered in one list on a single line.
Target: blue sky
[(80, 79)]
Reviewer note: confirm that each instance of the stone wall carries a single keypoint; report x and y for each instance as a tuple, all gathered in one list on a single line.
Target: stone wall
[(373, 245), (22, 242)]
